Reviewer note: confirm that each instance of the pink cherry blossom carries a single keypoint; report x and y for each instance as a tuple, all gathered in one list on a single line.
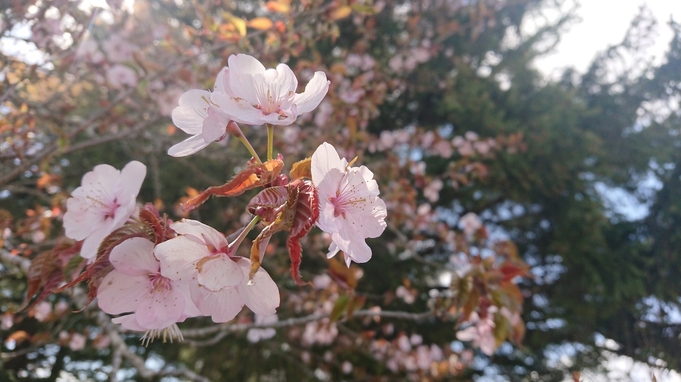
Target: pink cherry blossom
[(218, 280), (120, 76), (196, 115), (104, 202), (136, 285), (255, 95), (481, 333), (470, 223), (350, 209)]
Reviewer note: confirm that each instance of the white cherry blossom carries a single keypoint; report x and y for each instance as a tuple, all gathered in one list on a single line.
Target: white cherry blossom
[(104, 202), (350, 209), (197, 116), (252, 94)]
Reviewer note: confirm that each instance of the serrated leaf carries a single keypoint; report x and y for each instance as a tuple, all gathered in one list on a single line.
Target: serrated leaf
[(254, 175), (339, 308), (268, 203)]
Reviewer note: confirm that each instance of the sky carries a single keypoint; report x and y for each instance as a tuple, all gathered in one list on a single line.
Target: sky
[(604, 23)]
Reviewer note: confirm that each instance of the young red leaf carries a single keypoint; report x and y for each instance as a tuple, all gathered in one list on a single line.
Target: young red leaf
[(254, 175)]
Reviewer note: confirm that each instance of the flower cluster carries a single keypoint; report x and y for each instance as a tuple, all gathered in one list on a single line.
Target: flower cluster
[(154, 272)]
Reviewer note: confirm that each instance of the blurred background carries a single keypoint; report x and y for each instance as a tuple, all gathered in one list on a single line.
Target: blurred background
[(529, 153)]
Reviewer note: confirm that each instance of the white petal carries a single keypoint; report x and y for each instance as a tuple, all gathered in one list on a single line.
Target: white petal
[(262, 297), (215, 125), (242, 68), (120, 293), (195, 99), (323, 160), (314, 93), (131, 180), (188, 146), (134, 257), (286, 81), (240, 112), (218, 272), (188, 119), (200, 231)]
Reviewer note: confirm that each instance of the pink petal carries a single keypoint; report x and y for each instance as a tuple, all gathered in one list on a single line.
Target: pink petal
[(160, 309), (81, 217), (195, 99), (188, 146), (218, 272), (128, 322), (120, 293), (134, 257), (178, 258), (262, 297), (314, 93), (222, 306), (92, 242), (367, 219)]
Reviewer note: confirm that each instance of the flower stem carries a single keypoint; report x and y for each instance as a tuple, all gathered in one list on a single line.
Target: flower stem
[(234, 130), (270, 141), (233, 246), (249, 147)]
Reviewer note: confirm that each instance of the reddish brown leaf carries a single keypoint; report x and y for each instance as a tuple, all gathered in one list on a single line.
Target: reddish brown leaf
[(302, 169), (268, 203), (254, 175), (306, 214)]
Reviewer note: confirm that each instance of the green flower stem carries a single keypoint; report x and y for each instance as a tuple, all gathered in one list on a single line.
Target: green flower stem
[(270, 141), (249, 147)]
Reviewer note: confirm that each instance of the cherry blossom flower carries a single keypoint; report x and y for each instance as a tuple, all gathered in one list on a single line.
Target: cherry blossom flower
[(136, 285), (104, 202), (196, 115), (255, 95), (470, 223), (350, 209), (218, 280), (481, 333), (120, 76)]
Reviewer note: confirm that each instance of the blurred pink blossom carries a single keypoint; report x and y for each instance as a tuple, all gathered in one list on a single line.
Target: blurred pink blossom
[(120, 76), (118, 49), (470, 223)]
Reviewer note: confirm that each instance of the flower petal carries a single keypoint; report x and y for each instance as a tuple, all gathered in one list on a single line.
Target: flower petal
[(128, 322), (242, 68), (222, 306), (120, 293), (323, 160), (178, 258), (215, 125), (188, 146), (218, 272), (239, 111), (204, 233), (160, 309), (92, 242), (314, 93), (134, 257), (262, 297)]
